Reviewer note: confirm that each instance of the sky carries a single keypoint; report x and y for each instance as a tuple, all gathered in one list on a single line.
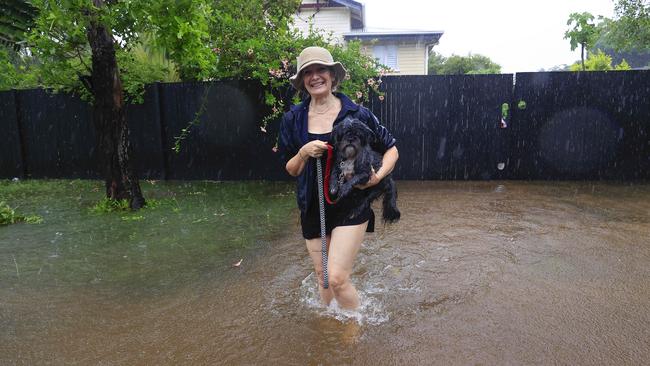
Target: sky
[(519, 35)]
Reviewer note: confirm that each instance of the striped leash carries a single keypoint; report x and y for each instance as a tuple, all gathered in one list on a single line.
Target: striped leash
[(322, 195)]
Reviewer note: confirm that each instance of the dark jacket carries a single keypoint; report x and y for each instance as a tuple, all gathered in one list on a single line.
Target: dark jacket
[(293, 135)]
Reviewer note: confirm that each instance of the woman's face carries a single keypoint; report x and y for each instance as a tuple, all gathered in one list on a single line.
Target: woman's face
[(317, 80)]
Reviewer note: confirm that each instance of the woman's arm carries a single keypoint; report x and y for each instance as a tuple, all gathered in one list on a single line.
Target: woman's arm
[(297, 163), (387, 165)]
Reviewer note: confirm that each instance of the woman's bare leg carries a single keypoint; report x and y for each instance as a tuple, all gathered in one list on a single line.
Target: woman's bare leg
[(344, 246), (314, 249)]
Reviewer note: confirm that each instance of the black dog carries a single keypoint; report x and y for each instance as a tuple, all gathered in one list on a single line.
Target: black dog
[(352, 141)]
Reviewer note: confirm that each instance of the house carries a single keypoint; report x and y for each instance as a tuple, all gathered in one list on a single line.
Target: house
[(405, 52)]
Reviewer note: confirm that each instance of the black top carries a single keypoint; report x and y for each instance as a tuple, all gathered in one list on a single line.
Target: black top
[(319, 136)]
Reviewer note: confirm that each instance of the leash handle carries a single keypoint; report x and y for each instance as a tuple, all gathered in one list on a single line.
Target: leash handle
[(321, 204)]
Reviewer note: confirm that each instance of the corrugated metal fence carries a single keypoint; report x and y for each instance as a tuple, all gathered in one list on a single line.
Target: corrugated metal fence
[(574, 126)]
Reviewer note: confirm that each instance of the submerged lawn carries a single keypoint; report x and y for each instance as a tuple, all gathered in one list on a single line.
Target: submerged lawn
[(192, 228)]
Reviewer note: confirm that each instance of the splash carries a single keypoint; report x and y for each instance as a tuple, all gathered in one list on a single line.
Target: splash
[(371, 311)]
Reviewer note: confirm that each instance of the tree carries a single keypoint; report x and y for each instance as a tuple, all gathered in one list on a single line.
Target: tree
[(16, 18), (183, 30), (460, 65), (630, 29), (436, 63), (77, 42), (636, 55), (90, 47), (584, 33), (109, 115)]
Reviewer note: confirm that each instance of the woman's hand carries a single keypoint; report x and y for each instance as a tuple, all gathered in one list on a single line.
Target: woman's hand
[(373, 181), (387, 164), (314, 149)]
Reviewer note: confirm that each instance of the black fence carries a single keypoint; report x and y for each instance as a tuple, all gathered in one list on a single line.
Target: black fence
[(561, 125), (447, 127), (593, 125)]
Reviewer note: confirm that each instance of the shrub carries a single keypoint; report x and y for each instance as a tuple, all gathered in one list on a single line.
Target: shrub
[(9, 216)]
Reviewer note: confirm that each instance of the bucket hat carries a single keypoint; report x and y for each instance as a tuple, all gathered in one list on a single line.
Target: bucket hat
[(316, 55)]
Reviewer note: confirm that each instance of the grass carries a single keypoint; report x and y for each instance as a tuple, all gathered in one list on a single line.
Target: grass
[(188, 229), (106, 205)]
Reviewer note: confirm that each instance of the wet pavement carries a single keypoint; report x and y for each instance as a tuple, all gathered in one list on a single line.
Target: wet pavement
[(474, 273)]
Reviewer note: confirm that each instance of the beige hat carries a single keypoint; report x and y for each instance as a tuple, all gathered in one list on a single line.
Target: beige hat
[(316, 55)]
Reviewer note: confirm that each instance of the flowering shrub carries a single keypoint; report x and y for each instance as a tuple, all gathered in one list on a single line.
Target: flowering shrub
[(266, 48)]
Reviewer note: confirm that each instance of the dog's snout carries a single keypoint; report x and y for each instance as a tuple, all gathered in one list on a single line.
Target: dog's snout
[(349, 151)]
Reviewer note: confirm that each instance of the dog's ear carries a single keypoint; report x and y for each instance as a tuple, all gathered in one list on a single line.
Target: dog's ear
[(339, 129)]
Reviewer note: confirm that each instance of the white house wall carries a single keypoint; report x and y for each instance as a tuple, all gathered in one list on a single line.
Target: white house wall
[(410, 57), (335, 20)]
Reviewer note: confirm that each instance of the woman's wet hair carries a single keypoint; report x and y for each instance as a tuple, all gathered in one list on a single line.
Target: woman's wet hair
[(335, 81)]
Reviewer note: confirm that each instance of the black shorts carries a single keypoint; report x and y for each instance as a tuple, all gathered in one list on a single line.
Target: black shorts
[(335, 215)]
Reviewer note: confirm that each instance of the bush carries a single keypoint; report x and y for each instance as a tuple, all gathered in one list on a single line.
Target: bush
[(599, 61), (9, 216)]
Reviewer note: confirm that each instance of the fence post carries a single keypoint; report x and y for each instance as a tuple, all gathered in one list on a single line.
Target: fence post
[(160, 119), (12, 149), (22, 156)]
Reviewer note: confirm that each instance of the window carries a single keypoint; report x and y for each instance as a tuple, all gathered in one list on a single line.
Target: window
[(386, 55)]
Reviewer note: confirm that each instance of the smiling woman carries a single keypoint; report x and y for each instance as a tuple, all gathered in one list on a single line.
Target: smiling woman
[(304, 135)]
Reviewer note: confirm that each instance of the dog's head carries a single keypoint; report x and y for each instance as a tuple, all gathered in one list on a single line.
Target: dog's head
[(350, 136)]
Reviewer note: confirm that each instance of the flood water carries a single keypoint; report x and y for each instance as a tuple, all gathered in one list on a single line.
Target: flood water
[(474, 273)]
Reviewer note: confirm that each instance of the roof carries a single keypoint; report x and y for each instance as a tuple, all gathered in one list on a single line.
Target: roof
[(350, 4), (356, 9), (353, 5), (426, 36)]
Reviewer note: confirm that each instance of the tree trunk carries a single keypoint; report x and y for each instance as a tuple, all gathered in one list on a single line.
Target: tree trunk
[(114, 147)]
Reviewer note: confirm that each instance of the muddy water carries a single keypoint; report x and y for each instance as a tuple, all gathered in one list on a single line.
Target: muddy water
[(475, 273)]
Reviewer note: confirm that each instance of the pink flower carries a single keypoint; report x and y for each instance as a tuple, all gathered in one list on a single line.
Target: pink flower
[(359, 95), (275, 149), (275, 110), (216, 50), (371, 82), (285, 64), (276, 73), (381, 98)]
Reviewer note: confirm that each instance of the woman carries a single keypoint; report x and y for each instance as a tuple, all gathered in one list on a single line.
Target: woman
[(304, 134)]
